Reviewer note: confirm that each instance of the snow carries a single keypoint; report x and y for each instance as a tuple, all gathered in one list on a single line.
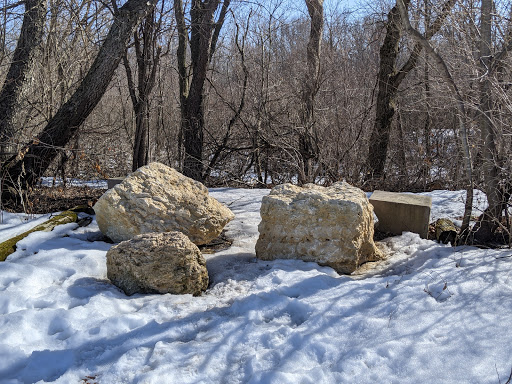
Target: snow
[(429, 313), (50, 181)]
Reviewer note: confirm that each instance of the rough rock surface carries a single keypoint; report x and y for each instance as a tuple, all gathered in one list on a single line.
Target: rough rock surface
[(156, 198), (331, 226), (157, 263)]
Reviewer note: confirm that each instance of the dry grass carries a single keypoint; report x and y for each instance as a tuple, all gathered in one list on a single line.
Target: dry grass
[(55, 199)]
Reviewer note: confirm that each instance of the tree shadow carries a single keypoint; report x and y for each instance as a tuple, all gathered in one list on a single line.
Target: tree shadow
[(236, 334)]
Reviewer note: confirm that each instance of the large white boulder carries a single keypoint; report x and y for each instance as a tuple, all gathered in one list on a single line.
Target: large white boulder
[(157, 263), (156, 198), (330, 226)]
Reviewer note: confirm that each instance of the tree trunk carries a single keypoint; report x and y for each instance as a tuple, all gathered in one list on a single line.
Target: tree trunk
[(30, 38), (490, 219), (29, 165), (256, 151), (389, 80), (147, 55), (402, 159), (183, 72), (203, 34), (427, 129), (9, 246), (308, 138), (447, 77), (386, 96), (141, 142)]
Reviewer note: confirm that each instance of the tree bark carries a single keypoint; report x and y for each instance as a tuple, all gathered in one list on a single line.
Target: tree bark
[(489, 222), (427, 130), (308, 137), (389, 80), (29, 165), (147, 56), (386, 96), (203, 33), (30, 38), (183, 71)]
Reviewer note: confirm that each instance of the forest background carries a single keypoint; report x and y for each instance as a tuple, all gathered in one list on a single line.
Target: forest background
[(406, 95)]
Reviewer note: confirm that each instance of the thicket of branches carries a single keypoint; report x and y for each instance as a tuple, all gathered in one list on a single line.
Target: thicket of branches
[(240, 93)]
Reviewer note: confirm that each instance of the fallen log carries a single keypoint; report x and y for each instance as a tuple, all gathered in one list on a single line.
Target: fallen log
[(9, 246)]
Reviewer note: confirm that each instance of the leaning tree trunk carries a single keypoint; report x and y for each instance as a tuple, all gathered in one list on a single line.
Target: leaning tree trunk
[(30, 38), (24, 169), (308, 137)]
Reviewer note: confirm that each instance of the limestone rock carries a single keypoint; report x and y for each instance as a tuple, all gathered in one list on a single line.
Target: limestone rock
[(156, 198), (331, 226), (157, 263)]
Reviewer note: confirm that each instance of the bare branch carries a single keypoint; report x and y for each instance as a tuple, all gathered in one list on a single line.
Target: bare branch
[(447, 77), (218, 26), (430, 32), (11, 6)]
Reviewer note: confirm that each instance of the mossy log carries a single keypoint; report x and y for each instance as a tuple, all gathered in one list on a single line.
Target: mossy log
[(446, 231), (9, 246)]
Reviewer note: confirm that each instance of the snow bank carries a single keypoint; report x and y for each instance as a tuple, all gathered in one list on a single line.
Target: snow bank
[(431, 313)]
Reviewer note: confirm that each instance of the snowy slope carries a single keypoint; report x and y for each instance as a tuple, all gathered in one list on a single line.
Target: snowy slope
[(429, 314)]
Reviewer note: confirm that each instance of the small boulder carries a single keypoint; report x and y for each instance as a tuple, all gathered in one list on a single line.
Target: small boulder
[(157, 263), (446, 231), (330, 226), (156, 198)]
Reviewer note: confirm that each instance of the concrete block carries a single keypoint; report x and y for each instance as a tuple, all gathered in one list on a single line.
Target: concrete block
[(399, 212), (111, 183)]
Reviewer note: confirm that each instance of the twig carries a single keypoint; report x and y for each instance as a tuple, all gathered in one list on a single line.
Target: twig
[(509, 377), (234, 201), (11, 6), (503, 257)]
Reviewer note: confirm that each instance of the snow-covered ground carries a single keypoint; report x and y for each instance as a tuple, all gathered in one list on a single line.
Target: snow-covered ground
[(429, 314)]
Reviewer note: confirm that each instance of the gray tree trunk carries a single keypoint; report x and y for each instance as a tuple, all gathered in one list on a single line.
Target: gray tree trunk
[(492, 215), (386, 97), (308, 137), (204, 32), (30, 38), (147, 56), (426, 167)]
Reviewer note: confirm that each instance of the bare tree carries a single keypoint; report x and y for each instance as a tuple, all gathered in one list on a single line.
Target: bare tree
[(308, 136), (427, 129), (497, 195), (204, 33), (24, 169), (30, 38), (389, 79), (222, 145), (447, 77), (147, 54)]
